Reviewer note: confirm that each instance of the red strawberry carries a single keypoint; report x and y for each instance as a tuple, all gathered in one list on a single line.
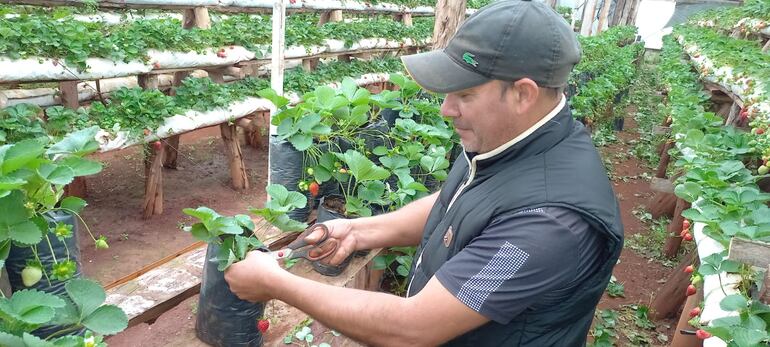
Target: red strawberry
[(702, 334), (157, 145), (684, 232), (689, 269), (760, 131), (313, 188), (146, 132), (695, 312), (685, 224), (691, 290), (262, 325), (156, 65), (687, 237)]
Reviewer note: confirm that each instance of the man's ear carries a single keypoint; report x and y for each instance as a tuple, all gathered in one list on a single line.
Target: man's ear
[(527, 93)]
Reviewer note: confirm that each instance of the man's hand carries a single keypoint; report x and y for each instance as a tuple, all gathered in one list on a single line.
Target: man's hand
[(342, 230), (249, 279)]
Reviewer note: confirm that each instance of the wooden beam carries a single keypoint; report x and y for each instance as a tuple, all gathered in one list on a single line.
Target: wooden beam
[(240, 180), (664, 159), (687, 340), (147, 81), (766, 47), (764, 293), (449, 15), (405, 18)]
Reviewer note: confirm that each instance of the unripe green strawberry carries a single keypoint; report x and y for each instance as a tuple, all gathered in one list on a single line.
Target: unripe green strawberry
[(31, 275)]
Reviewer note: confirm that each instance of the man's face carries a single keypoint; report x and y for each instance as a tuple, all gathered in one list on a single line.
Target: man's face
[(483, 116)]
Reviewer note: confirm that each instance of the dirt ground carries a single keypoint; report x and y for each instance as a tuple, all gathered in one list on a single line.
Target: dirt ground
[(115, 197)]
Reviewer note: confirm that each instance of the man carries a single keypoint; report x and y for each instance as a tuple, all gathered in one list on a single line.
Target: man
[(519, 244)]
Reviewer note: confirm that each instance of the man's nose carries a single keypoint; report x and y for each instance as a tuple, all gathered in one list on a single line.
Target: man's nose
[(449, 106)]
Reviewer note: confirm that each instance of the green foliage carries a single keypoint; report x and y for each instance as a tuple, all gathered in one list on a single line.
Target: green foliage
[(237, 235), (81, 306), (20, 122), (133, 110)]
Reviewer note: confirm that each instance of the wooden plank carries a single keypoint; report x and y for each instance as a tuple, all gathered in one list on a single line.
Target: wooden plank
[(766, 47), (335, 16), (734, 114), (687, 340), (672, 294), (662, 185), (764, 293), (754, 253)]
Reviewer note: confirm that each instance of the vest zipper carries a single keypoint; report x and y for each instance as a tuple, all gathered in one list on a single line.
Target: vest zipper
[(472, 172)]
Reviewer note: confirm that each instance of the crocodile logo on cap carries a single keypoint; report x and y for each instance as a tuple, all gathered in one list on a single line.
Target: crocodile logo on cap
[(468, 58)]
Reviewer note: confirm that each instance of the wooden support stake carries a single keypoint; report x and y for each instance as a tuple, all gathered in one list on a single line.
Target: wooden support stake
[(672, 295), (148, 81), (69, 94), (235, 158), (69, 98), (307, 65), (764, 293), (687, 340), (674, 241), (766, 47), (618, 12), (171, 147), (734, 116), (405, 18), (664, 159), (335, 16), (153, 182), (344, 58)]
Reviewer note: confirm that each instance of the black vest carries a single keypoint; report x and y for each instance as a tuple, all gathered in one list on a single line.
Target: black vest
[(557, 165)]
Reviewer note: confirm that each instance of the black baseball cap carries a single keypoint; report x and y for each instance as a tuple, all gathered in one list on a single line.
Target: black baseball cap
[(506, 40)]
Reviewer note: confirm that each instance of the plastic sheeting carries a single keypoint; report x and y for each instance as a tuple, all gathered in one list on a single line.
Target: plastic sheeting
[(43, 69), (712, 290), (178, 60)]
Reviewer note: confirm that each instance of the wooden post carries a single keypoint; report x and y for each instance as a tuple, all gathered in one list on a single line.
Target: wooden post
[(344, 58), (619, 5), (766, 47), (687, 340), (307, 65), (69, 98), (734, 115), (69, 94), (674, 240), (335, 16), (603, 15), (171, 149), (664, 159), (449, 15), (235, 158), (589, 12), (632, 12), (673, 293), (153, 164), (153, 186), (405, 18), (551, 3), (663, 203), (278, 64), (764, 294)]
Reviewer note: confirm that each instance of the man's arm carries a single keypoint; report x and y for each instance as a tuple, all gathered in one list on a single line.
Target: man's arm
[(399, 228), (432, 317)]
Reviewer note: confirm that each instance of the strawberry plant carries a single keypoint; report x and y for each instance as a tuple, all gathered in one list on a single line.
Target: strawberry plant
[(20, 122), (237, 235), (133, 110), (80, 306)]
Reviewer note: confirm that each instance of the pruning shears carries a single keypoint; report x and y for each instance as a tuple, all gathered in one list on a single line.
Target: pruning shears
[(301, 248)]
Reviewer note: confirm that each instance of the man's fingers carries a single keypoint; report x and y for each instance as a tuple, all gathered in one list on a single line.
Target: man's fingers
[(314, 236)]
